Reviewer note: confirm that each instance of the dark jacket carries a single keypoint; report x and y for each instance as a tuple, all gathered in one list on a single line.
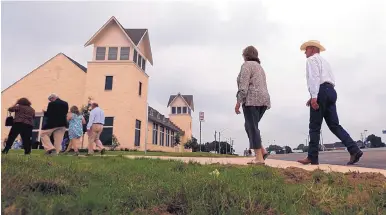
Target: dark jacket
[(56, 114)]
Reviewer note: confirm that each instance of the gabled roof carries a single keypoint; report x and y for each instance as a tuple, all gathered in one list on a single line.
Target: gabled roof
[(133, 35), (76, 63), (80, 66), (156, 116), (187, 98)]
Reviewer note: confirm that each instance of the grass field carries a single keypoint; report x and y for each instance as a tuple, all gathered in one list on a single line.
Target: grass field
[(171, 154), (117, 185)]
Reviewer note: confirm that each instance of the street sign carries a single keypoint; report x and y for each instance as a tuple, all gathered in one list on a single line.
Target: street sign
[(201, 116), (384, 132)]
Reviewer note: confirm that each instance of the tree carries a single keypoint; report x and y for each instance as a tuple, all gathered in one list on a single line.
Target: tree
[(192, 144), (287, 149), (375, 141), (177, 139)]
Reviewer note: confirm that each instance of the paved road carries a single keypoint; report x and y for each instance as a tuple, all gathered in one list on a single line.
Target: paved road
[(370, 159)]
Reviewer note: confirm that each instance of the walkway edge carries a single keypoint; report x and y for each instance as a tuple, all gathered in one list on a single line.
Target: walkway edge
[(268, 162)]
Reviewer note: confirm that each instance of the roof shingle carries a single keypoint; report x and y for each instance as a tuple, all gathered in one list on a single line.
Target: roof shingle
[(135, 34)]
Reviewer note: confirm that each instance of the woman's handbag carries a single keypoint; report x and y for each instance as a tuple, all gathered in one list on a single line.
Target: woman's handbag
[(9, 120)]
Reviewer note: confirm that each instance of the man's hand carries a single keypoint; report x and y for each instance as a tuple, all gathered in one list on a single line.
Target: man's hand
[(314, 104), (308, 103), (237, 108)]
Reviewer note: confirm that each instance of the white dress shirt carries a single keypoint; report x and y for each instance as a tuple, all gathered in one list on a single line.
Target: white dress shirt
[(318, 71), (96, 116)]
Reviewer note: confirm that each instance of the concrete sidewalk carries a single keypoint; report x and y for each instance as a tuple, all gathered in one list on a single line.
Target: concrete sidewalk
[(268, 162)]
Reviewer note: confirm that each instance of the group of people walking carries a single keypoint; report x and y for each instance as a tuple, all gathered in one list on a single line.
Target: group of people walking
[(253, 97), (56, 120)]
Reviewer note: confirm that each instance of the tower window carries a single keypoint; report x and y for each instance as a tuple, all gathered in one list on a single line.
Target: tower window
[(113, 53), (109, 83), (100, 53), (125, 52)]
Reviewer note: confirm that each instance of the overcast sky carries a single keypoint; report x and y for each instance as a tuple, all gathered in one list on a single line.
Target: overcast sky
[(197, 50)]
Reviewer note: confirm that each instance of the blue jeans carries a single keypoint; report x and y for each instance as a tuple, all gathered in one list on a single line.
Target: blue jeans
[(327, 109)]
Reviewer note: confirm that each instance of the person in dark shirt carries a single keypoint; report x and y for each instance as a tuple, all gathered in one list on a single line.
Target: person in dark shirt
[(56, 123), (22, 124)]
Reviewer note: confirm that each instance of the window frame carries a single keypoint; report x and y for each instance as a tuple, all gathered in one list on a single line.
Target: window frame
[(96, 53), (128, 54), (140, 89), (109, 126), (112, 54), (137, 129), (112, 81)]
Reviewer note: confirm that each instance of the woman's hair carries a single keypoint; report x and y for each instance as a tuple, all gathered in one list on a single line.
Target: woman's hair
[(74, 109), (23, 101), (251, 54)]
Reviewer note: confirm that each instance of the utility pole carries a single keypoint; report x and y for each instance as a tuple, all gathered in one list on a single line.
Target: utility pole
[(232, 148), (215, 138), (219, 142), (200, 135)]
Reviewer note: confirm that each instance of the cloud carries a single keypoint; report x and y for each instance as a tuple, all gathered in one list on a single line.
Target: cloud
[(197, 50)]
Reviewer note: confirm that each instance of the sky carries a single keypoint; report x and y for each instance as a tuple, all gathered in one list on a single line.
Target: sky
[(197, 50)]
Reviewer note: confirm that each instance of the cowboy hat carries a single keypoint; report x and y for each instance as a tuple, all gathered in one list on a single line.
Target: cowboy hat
[(315, 43)]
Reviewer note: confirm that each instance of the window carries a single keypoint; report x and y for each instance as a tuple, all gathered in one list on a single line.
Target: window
[(143, 64), (140, 88), (135, 56), (109, 83), (109, 121), (173, 110), (107, 134), (139, 63), (172, 139), (125, 53), (113, 53), (137, 133), (178, 110), (167, 137), (184, 110), (37, 122), (190, 111), (100, 53), (155, 133), (162, 136)]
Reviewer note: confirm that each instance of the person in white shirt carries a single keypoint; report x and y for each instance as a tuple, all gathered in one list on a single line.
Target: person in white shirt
[(321, 84), (95, 128)]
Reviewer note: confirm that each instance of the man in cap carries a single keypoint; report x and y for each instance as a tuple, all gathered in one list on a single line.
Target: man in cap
[(321, 85), (55, 124), (95, 128)]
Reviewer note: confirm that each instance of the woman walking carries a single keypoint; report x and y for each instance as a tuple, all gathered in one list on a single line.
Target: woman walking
[(75, 130), (22, 124), (253, 95)]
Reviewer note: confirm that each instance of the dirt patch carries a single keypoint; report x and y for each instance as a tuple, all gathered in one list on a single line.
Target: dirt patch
[(178, 205), (47, 188), (12, 210), (295, 175), (367, 178)]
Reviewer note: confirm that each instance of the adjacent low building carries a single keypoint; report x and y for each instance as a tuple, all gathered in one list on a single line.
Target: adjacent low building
[(116, 78)]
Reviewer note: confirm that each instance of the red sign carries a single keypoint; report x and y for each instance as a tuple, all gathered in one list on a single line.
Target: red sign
[(201, 116)]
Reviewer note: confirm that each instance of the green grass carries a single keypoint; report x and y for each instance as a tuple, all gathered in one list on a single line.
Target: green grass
[(116, 185), (141, 153)]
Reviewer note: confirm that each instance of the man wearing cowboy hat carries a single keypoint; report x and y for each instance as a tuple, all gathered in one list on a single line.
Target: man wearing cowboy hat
[(321, 83)]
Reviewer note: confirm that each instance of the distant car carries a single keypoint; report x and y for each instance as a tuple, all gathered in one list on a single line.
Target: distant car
[(273, 153)]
